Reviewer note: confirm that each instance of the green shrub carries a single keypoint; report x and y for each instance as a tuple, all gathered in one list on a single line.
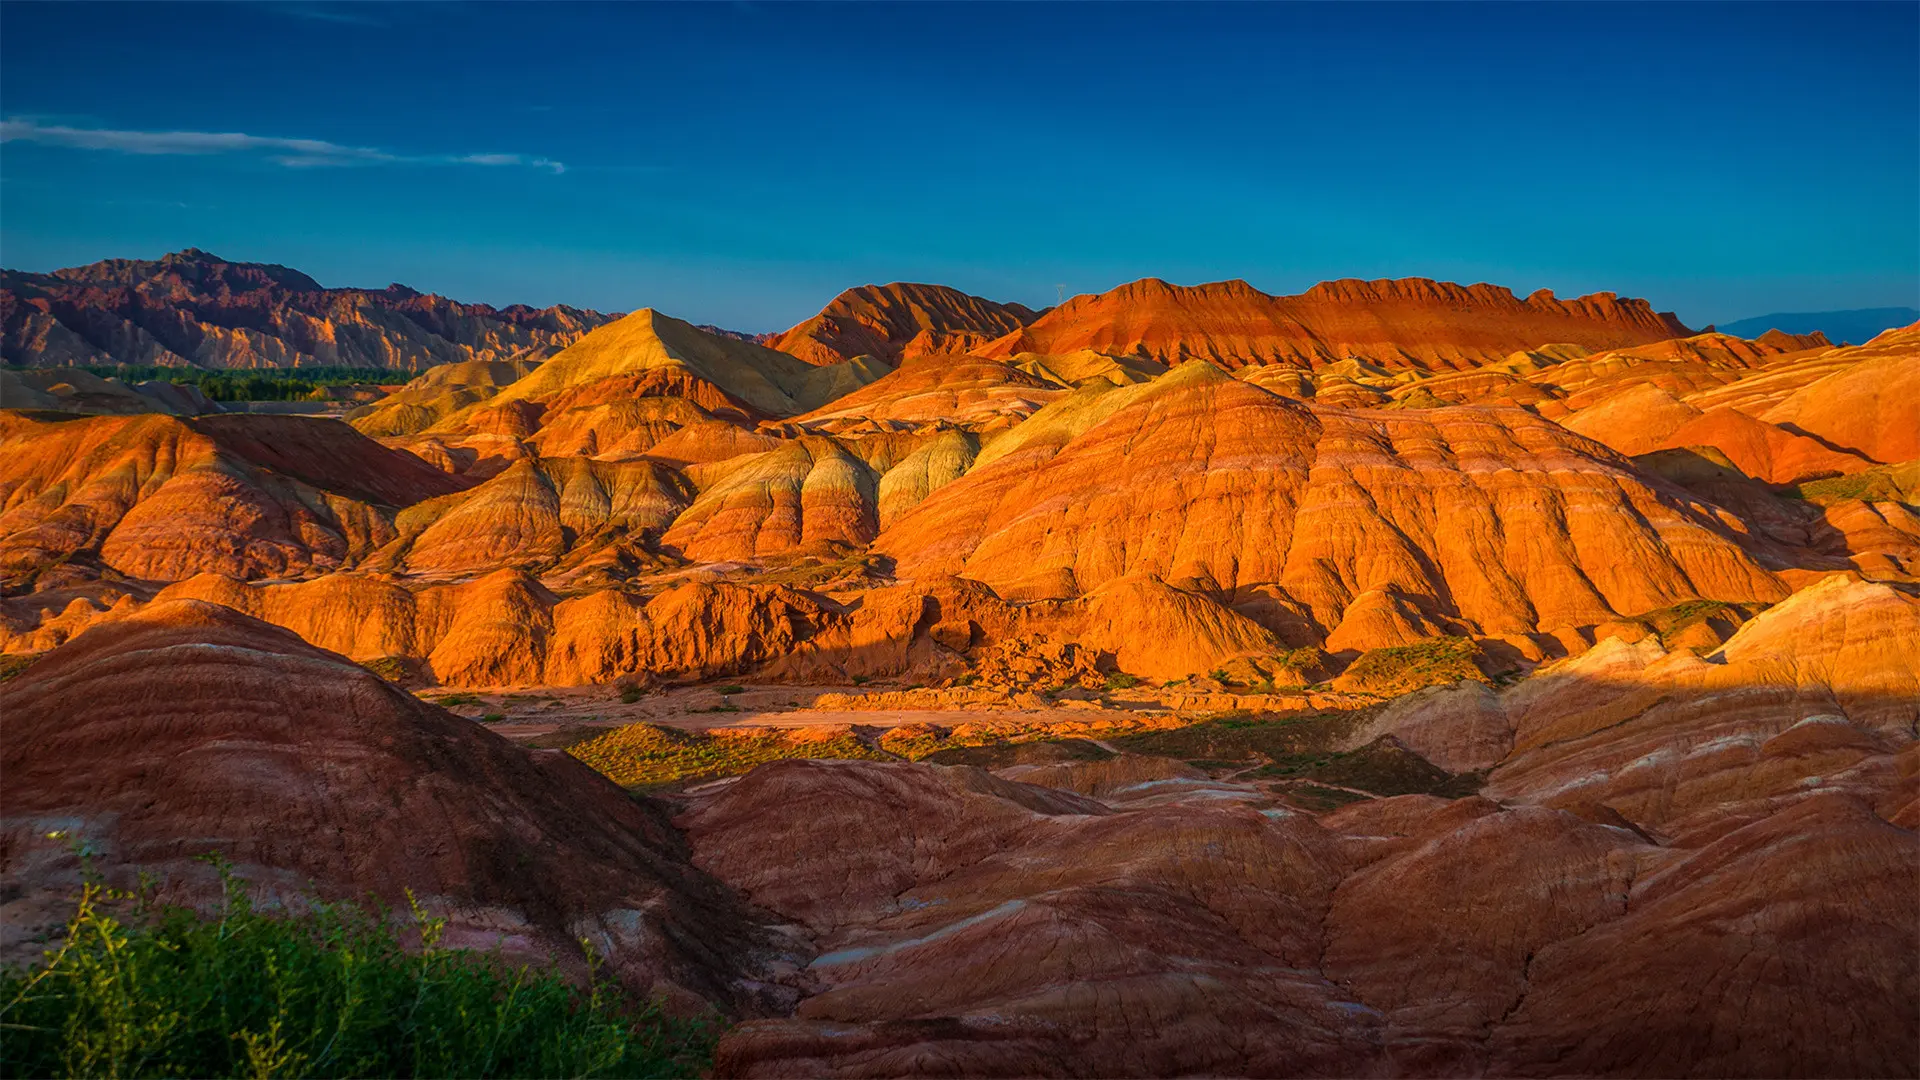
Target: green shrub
[(12, 664), (297, 384), (493, 718), (732, 689), (648, 755), (338, 991), (1120, 680), (1402, 669), (390, 668), (629, 695)]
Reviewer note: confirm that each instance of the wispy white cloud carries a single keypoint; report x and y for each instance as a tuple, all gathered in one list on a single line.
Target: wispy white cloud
[(292, 153)]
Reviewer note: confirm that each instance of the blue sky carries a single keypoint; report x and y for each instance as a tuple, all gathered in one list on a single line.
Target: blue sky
[(742, 163)]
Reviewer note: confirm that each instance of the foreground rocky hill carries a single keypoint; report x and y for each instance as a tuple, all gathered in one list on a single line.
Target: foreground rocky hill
[(1678, 865), (194, 308)]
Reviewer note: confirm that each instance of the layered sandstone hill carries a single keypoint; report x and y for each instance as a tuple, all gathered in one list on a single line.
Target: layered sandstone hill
[(163, 498), (591, 386), (192, 730), (900, 320), (1411, 322), (1852, 406), (1657, 820), (1372, 527), (195, 308), (965, 392), (440, 392)]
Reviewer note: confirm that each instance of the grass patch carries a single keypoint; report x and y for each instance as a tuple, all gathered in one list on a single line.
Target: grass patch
[(648, 755), (1382, 767), (730, 689), (12, 664), (1252, 738), (1669, 623), (493, 718), (1402, 669), (391, 668), (455, 700), (630, 694), (1882, 483), (338, 991)]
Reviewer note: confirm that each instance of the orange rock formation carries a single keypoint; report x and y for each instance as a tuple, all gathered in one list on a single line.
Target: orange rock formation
[(901, 319), (1410, 322)]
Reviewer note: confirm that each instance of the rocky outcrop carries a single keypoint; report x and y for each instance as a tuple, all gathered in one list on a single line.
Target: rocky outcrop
[(965, 392), (195, 308), (900, 320), (968, 925), (651, 351), (191, 730), (158, 497), (1497, 520), (1406, 323), (436, 394)]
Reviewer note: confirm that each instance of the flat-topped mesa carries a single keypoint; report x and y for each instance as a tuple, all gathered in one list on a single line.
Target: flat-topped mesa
[(900, 319), (195, 308), (1398, 324)]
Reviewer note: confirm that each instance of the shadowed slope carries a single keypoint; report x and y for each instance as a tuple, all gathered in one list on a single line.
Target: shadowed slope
[(192, 729)]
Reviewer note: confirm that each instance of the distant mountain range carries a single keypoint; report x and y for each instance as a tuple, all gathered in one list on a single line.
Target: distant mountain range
[(194, 308), (1849, 327)]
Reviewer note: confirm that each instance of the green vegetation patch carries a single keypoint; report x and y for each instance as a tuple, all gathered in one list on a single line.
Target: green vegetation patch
[(337, 991), (12, 664), (1882, 483), (1669, 623), (1249, 738), (1382, 767), (1402, 669), (391, 668), (291, 384), (649, 755)]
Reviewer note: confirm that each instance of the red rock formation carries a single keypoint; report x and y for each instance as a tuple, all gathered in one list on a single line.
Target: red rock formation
[(1411, 322), (158, 497), (194, 308), (901, 319), (191, 729), (1494, 518), (965, 391)]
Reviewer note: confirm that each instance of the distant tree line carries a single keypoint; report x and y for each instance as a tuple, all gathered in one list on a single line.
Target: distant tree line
[(270, 384)]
